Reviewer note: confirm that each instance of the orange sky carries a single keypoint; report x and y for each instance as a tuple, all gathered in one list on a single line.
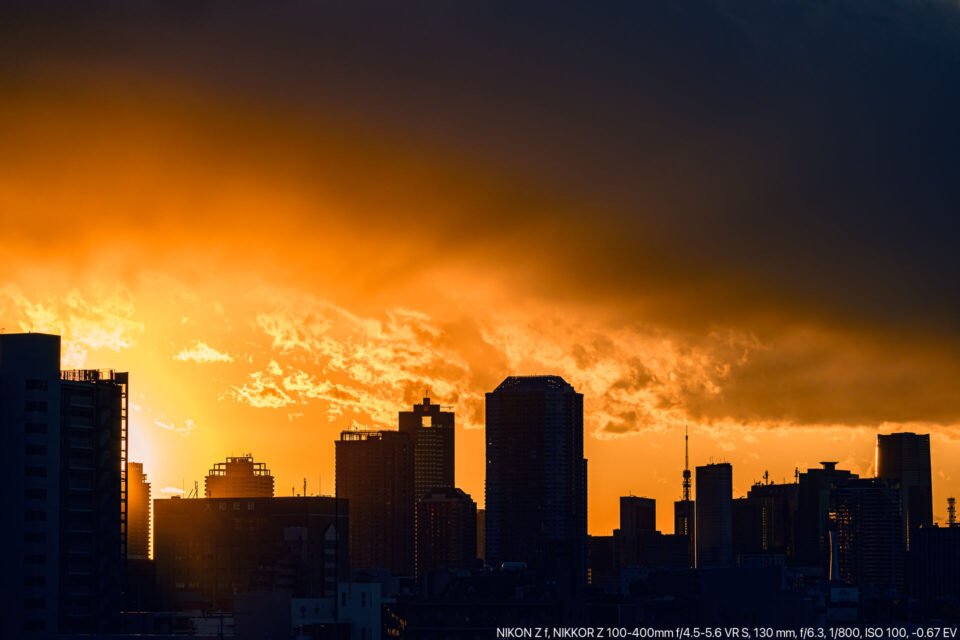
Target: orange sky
[(271, 272)]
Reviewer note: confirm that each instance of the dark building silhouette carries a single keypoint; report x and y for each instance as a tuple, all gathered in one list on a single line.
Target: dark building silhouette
[(934, 562), (813, 511), (779, 503), (63, 491), (603, 562), (446, 530), (870, 547), (714, 515), (905, 458), (748, 527), (536, 477), (138, 512), (431, 431), (239, 477), (209, 550), (375, 473), (482, 535), (684, 524), (637, 515)]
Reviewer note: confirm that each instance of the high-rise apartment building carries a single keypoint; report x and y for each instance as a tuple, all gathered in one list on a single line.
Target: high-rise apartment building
[(239, 477), (63, 490), (431, 430), (870, 544), (714, 515), (138, 512), (905, 458), (536, 480), (446, 530), (779, 503), (375, 473)]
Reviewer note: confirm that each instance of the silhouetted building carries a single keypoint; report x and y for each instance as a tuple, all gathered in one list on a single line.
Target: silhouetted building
[(813, 510), (446, 530), (239, 477), (209, 550), (431, 431), (482, 535), (871, 547), (684, 524), (63, 464), (779, 503), (935, 567), (748, 527), (905, 458), (375, 473), (638, 516), (603, 562), (536, 479), (714, 516), (138, 512)]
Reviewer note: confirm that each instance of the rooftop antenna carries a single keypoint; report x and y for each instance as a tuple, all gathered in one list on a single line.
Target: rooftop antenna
[(952, 511), (304, 487), (686, 463)]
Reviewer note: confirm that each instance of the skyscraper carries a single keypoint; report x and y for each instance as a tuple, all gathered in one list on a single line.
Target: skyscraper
[(714, 518), (905, 458), (63, 490), (871, 547), (138, 512), (431, 431), (638, 517), (239, 477), (536, 483), (446, 530), (375, 473)]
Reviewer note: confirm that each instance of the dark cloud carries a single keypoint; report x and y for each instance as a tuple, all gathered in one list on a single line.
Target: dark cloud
[(751, 164)]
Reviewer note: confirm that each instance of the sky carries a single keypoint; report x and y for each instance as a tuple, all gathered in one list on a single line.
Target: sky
[(289, 219)]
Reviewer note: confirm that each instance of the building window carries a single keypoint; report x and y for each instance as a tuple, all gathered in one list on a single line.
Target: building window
[(34, 603), (236, 506), (34, 581), (34, 625), (343, 599), (35, 494), (250, 506), (34, 515), (35, 472), (34, 536), (36, 385), (35, 558), (34, 405), (35, 449), (223, 506), (363, 599), (36, 427)]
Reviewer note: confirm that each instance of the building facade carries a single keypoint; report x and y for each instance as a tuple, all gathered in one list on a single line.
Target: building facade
[(375, 473), (714, 515), (536, 475), (905, 458), (64, 488), (209, 550), (138, 512), (446, 530), (431, 430)]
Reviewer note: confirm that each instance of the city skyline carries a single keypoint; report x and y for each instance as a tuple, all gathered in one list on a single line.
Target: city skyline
[(663, 489)]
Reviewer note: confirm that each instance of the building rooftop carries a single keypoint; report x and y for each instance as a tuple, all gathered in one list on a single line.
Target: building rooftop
[(528, 384)]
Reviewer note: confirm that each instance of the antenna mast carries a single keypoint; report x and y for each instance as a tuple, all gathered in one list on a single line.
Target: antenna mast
[(952, 512), (686, 463)]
